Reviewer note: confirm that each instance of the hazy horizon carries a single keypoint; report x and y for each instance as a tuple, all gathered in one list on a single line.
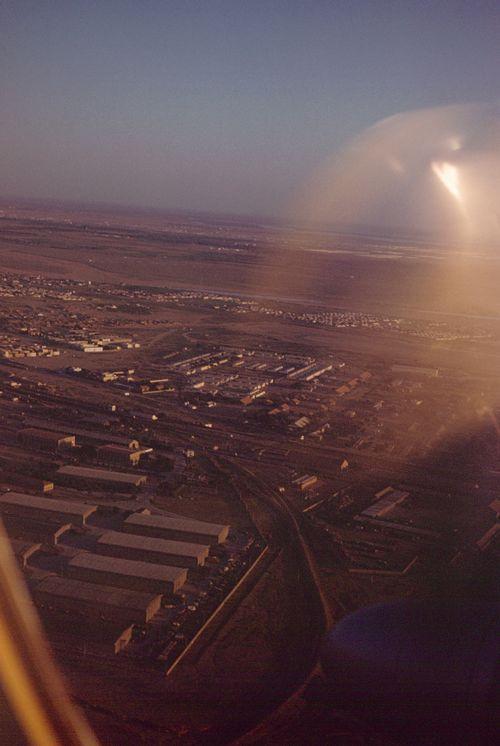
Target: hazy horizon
[(278, 223)]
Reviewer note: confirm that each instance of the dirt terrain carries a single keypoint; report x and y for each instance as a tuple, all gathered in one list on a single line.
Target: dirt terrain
[(245, 257)]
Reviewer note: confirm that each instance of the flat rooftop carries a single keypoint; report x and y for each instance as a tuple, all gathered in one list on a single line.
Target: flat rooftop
[(48, 523), (49, 504), (122, 450), (151, 544), (45, 434), (103, 475), (177, 523), (386, 503), (47, 530), (100, 632), (79, 590), (130, 568)]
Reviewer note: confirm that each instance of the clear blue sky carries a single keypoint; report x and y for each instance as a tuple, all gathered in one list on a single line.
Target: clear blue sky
[(219, 105)]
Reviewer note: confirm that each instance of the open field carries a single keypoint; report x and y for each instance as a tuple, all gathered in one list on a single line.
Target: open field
[(245, 257)]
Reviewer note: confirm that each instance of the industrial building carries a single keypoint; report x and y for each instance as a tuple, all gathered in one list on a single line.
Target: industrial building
[(318, 371), (88, 477), (176, 527), (386, 571), (45, 440), (41, 508), (306, 482), (120, 455), (23, 550), (150, 549), (97, 601), (97, 637), (388, 499), (46, 531), (24, 482), (403, 528), (416, 370), (125, 573)]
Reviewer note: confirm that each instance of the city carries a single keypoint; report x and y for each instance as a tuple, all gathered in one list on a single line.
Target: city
[(166, 473)]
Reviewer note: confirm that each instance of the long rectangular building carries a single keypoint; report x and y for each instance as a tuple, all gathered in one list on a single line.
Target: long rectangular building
[(87, 636), (150, 549), (176, 527), (120, 455), (125, 573), (45, 440), (40, 508), (382, 524), (97, 601), (89, 476), (46, 531), (387, 501)]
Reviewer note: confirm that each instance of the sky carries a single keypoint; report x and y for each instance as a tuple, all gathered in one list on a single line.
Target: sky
[(215, 105)]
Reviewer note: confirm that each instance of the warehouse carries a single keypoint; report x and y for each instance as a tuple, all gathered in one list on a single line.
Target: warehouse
[(306, 482), (384, 525), (93, 437), (46, 532), (150, 549), (416, 370), (41, 508), (85, 476), (120, 455), (388, 500), (176, 527), (87, 636), (98, 601), (24, 482), (45, 440), (23, 550), (124, 573)]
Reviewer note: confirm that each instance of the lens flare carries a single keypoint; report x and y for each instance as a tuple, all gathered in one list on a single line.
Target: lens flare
[(400, 173), (447, 173)]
